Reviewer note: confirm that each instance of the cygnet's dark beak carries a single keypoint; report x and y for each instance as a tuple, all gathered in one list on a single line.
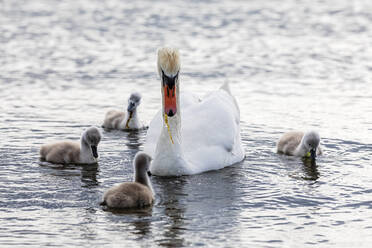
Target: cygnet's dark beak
[(131, 106), (149, 173), (94, 151), (313, 153)]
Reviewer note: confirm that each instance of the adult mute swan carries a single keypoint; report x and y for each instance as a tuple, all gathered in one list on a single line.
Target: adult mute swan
[(209, 138), (68, 152), (300, 144), (125, 121), (135, 194)]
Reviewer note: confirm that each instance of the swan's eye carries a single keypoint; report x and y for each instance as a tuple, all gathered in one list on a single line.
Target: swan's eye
[(170, 81)]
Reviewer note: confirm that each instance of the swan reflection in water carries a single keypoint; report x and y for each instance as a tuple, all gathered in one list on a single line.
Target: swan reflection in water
[(310, 169), (133, 140), (139, 219), (185, 207), (89, 175), (170, 191)]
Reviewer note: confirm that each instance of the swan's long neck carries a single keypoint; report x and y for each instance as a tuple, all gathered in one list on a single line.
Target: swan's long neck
[(85, 152), (169, 158), (142, 178), (172, 129), (131, 120)]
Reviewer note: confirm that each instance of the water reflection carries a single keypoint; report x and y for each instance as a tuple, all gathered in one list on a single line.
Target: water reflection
[(87, 224), (142, 225), (258, 202), (132, 140), (310, 169), (140, 219), (170, 191), (89, 175), (307, 170), (88, 172)]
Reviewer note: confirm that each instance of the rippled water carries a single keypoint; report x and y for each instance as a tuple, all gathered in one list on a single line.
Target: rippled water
[(291, 64)]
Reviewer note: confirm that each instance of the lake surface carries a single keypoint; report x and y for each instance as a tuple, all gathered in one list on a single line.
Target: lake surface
[(292, 65)]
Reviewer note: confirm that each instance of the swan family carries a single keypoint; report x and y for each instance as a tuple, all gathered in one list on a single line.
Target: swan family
[(188, 135)]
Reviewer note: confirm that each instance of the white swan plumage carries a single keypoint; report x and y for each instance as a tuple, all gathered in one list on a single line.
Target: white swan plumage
[(209, 137)]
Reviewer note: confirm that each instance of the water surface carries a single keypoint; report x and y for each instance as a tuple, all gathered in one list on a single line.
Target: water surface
[(291, 64)]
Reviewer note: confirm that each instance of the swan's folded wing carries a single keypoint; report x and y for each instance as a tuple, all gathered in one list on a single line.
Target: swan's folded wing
[(211, 132)]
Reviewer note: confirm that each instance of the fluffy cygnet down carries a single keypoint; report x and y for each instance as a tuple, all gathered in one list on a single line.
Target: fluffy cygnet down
[(68, 152), (125, 121), (135, 194), (300, 144)]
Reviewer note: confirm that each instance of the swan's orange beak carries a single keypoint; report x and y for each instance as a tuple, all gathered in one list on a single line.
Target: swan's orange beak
[(169, 91), (170, 100)]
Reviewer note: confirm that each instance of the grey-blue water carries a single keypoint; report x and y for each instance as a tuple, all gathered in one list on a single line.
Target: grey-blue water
[(292, 65)]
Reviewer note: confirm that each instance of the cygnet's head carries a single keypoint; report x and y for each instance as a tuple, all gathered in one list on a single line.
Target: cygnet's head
[(92, 137), (141, 164), (311, 142), (134, 101), (168, 69)]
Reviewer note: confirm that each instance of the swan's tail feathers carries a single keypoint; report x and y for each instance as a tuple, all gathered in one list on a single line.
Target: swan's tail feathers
[(226, 87)]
